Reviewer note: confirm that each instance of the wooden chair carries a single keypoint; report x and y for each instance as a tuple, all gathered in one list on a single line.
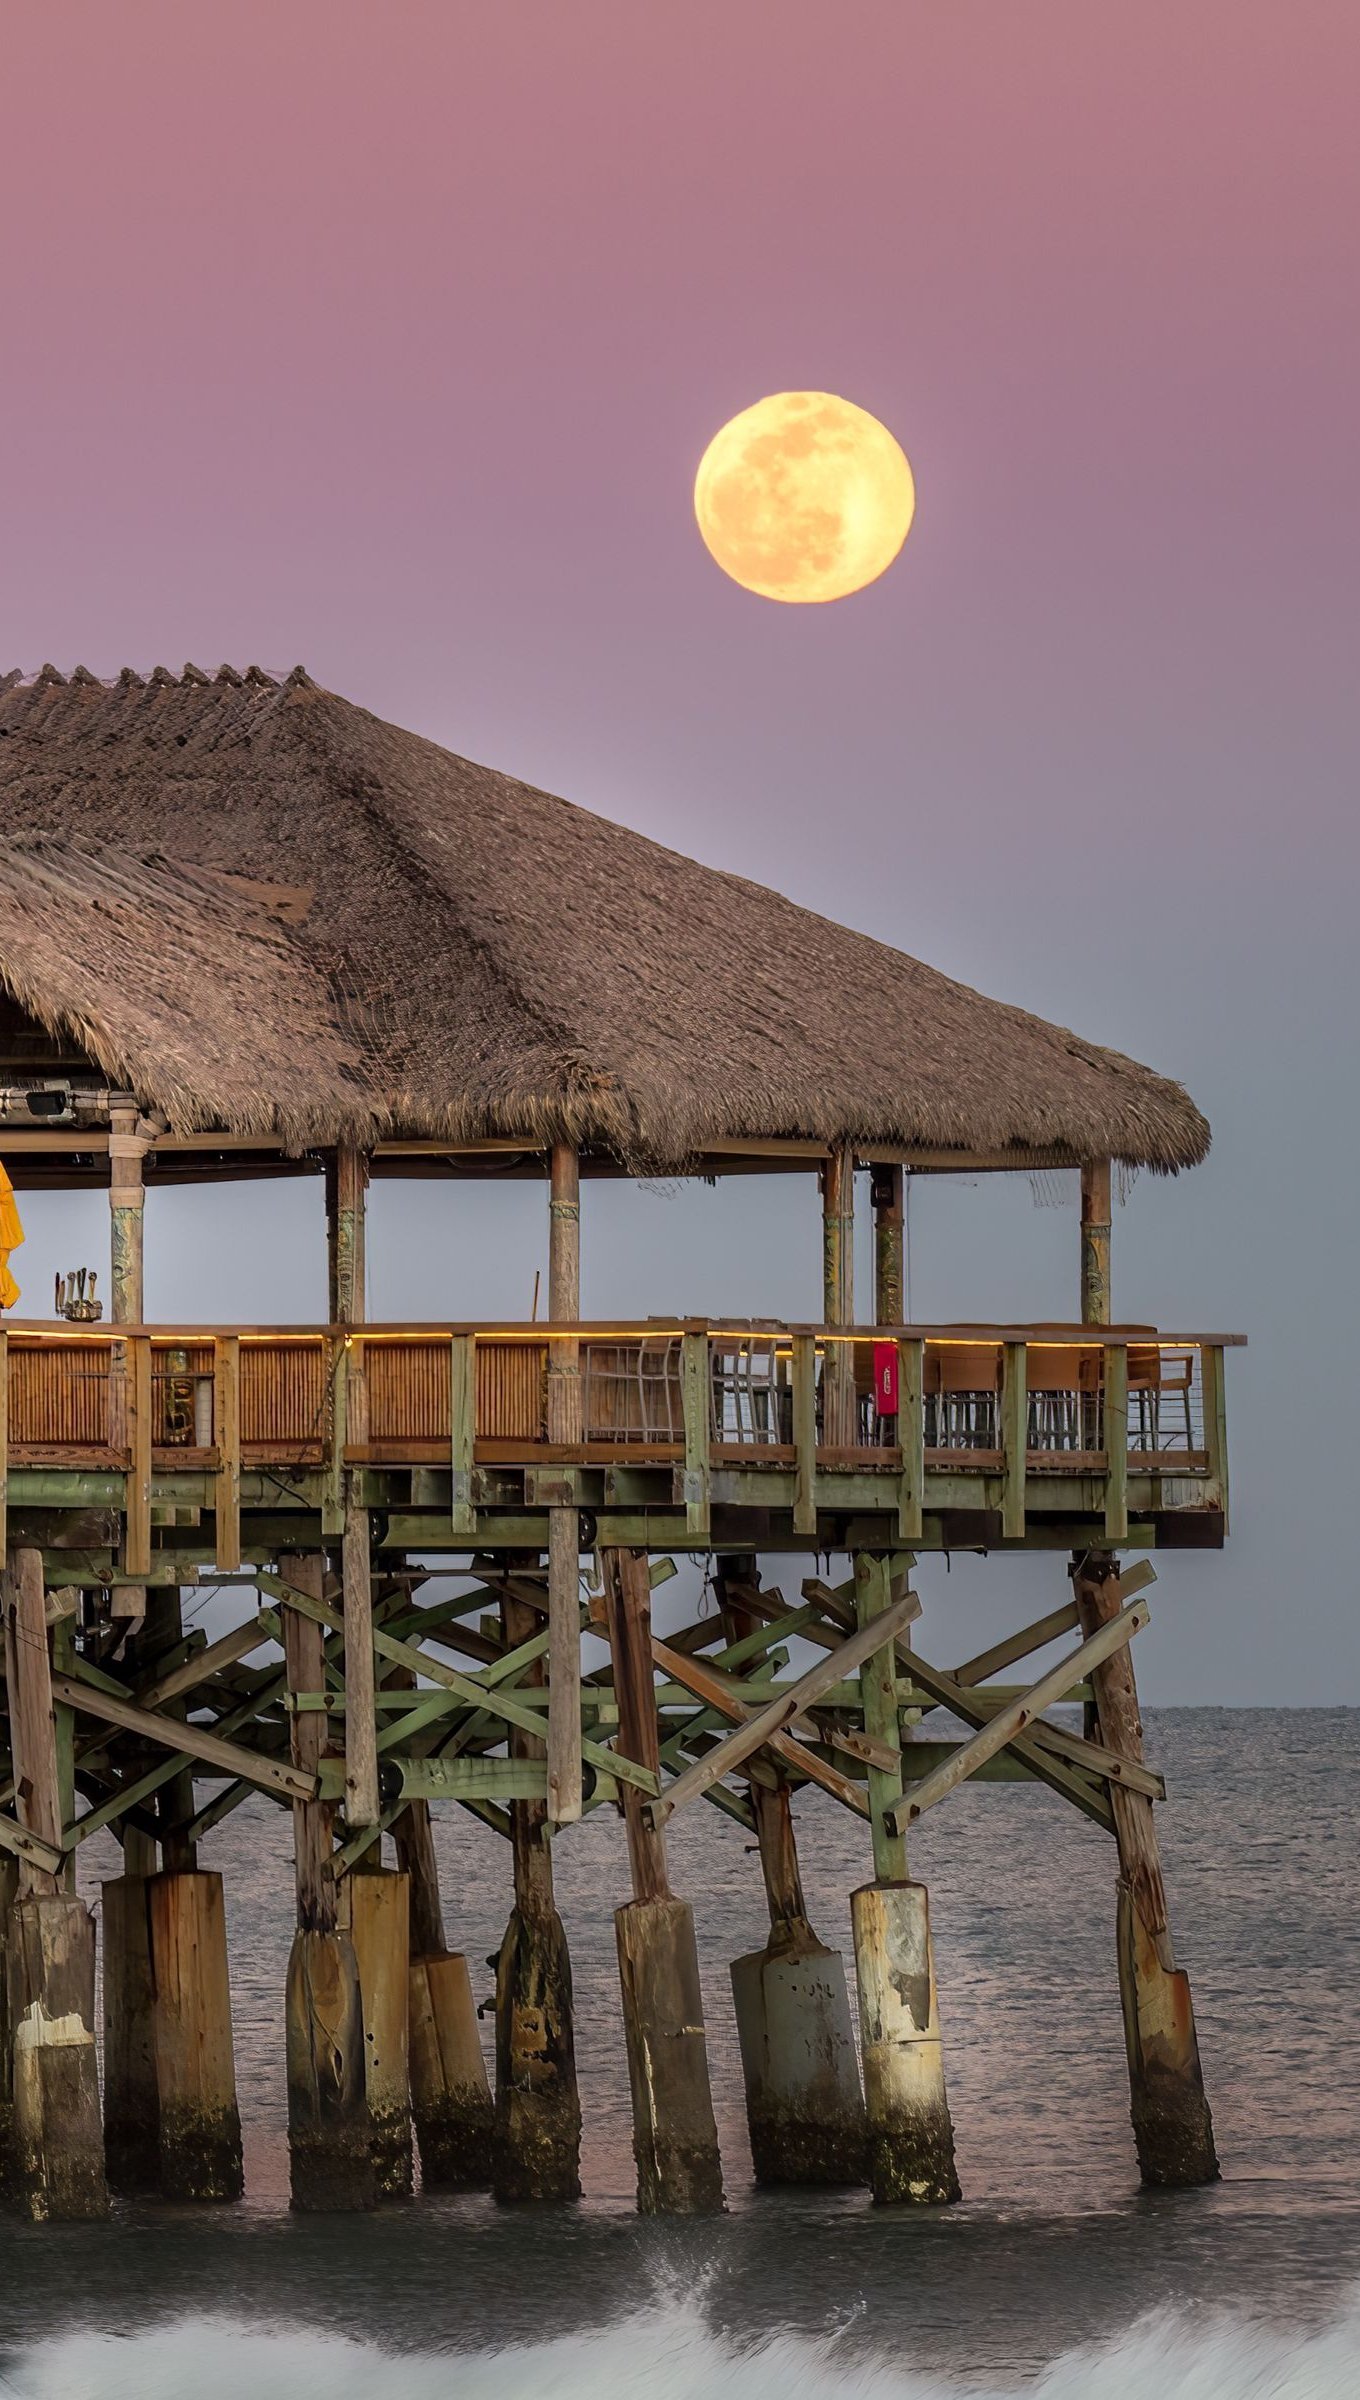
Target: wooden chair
[(1064, 1397), (1157, 1376), (962, 1390)]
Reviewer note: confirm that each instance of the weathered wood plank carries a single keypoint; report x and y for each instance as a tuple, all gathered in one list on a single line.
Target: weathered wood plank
[(694, 1392), (203, 1665), (227, 1433), (564, 1666), (878, 1698), (805, 1433), (698, 1678), (1020, 1713), (25, 1845), (911, 1436), (628, 1608), (32, 1725), (462, 1431), (477, 1693), (175, 1734), (1014, 1441), (1116, 1408), (137, 1502), (770, 1720)]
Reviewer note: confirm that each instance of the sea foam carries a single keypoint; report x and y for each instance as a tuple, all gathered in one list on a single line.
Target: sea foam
[(672, 2354)]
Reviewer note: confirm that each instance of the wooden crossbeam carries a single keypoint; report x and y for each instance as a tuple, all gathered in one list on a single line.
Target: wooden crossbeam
[(765, 1724), (472, 1688), (205, 1663), (1051, 1628), (177, 1735), (946, 1691), (1019, 1645), (22, 1844), (1000, 1730)]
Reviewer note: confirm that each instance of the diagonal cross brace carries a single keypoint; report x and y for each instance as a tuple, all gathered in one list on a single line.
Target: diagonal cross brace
[(768, 1724), (1000, 1730)]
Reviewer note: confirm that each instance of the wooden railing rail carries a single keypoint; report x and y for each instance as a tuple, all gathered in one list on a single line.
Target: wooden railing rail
[(1003, 1401)]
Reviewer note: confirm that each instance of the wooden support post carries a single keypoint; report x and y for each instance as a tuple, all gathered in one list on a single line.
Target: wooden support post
[(538, 2109), (911, 1436), (347, 1184), (564, 1666), (910, 2132), (328, 2133), (462, 1431), (1115, 1409), (4, 1448), (171, 2124), (9, 1888), (132, 2129), (129, 1373), (565, 1427), (805, 1433), (838, 1296), (878, 1696), (889, 1185), (175, 1805), (127, 1204), (227, 1436), (804, 2108), (375, 1911), (1014, 1441), (450, 2094), (675, 2136), (1213, 1398), (1095, 1242), (197, 2119), (56, 2141), (697, 1405), (1172, 2126)]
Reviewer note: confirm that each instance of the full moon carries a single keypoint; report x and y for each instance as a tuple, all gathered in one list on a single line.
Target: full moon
[(804, 497)]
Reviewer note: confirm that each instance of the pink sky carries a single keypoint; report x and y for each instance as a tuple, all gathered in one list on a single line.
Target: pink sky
[(388, 338)]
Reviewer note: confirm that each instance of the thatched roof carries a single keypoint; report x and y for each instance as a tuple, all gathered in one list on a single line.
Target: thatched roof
[(266, 911)]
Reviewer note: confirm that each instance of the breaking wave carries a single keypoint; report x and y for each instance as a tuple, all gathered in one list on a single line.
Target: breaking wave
[(670, 2352)]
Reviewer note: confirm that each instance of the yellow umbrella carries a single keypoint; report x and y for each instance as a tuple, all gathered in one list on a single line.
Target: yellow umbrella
[(11, 1234)]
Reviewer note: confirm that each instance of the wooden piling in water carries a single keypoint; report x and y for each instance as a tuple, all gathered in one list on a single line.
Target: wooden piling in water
[(172, 2128), (127, 1302), (198, 2122), (374, 1906), (537, 2148), (804, 2107), (56, 2139), (328, 2132), (132, 2129), (910, 2132), (9, 1887), (565, 1425), (451, 2104), (675, 2137), (1172, 2124)]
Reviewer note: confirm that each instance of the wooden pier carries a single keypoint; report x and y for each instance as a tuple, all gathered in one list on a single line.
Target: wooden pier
[(422, 1524)]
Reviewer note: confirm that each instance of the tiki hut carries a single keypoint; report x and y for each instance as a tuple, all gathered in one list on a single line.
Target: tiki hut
[(279, 924)]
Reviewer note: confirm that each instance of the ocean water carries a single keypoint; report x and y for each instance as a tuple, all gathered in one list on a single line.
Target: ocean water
[(1057, 2276)]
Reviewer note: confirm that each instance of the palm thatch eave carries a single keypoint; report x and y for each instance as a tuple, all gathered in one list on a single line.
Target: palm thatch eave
[(267, 913)]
